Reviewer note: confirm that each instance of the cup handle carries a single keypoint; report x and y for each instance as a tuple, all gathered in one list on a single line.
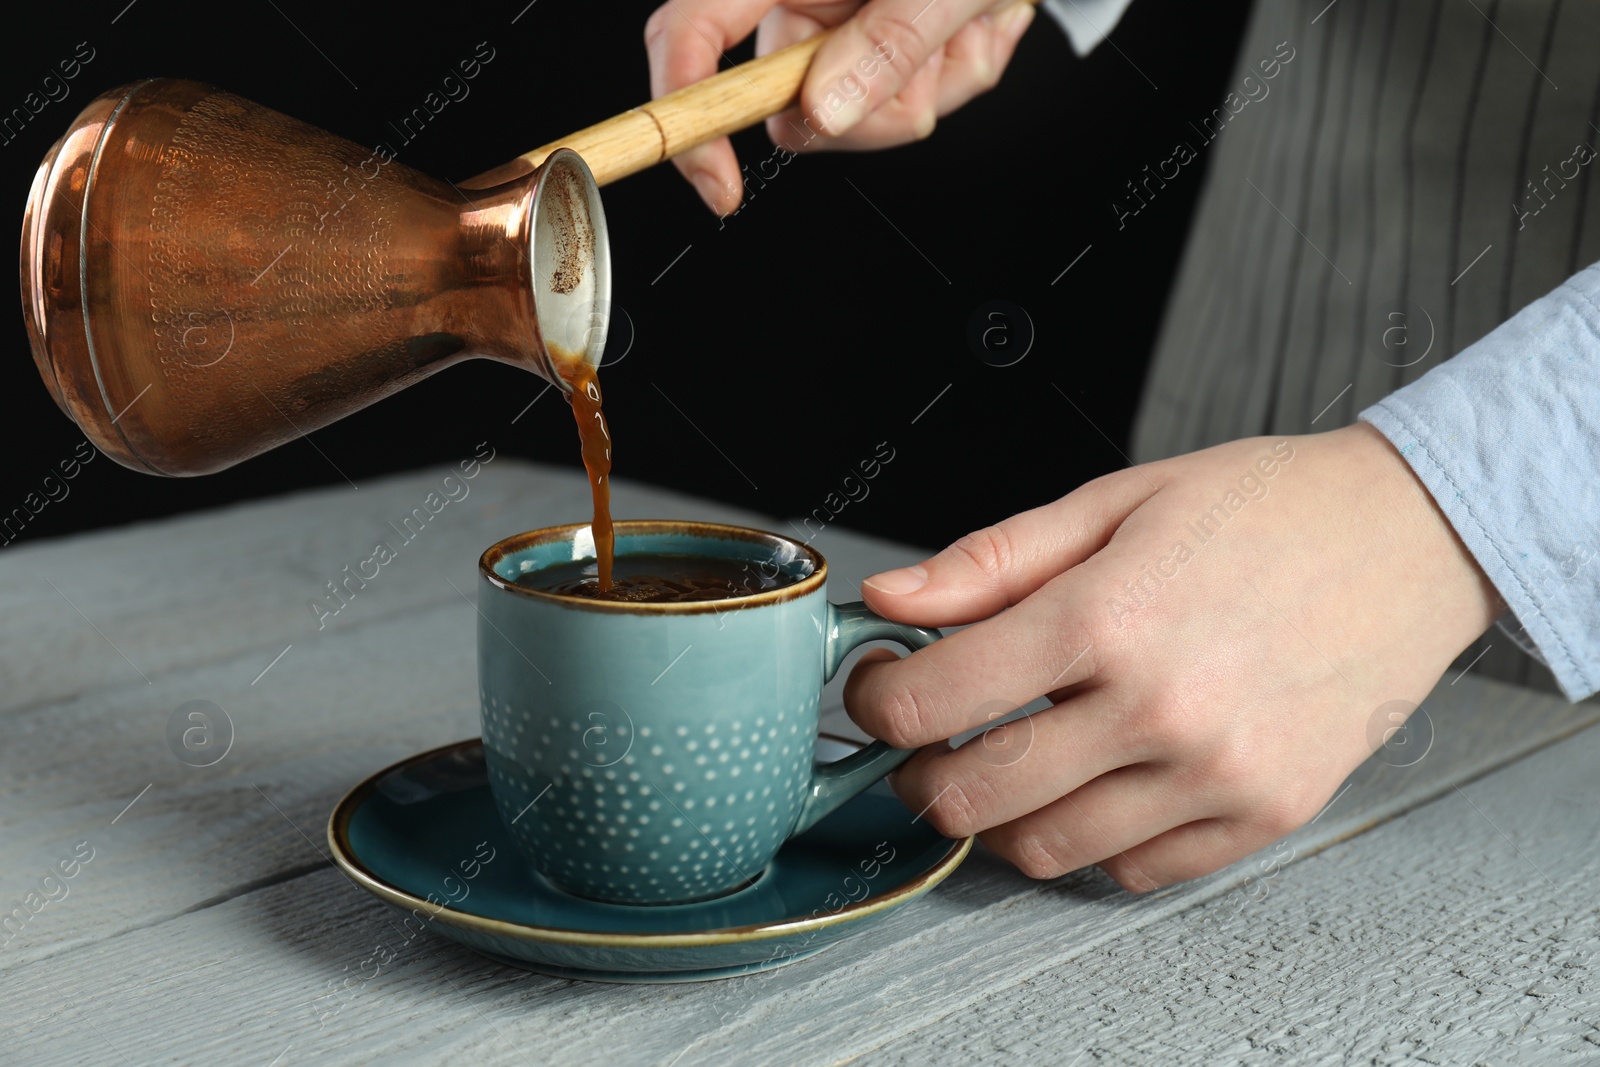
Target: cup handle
[(834, 783)]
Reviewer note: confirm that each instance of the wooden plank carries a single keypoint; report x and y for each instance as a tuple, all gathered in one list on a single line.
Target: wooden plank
[(1466, 932), (244, 973)]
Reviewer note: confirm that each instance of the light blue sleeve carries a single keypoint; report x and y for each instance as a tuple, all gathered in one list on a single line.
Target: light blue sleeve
[(1086, 22), (1506, 436)]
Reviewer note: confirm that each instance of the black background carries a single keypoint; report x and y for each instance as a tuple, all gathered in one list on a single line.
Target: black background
[(797, 336)]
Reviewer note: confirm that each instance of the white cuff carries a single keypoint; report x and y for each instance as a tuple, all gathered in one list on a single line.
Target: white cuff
[(1086, 22)]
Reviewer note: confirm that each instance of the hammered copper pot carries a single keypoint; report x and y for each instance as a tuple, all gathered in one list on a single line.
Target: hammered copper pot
[(205, 278)]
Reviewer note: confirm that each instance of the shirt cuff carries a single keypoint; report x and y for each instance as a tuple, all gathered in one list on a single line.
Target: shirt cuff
[(1086, 22), (1506, 437)]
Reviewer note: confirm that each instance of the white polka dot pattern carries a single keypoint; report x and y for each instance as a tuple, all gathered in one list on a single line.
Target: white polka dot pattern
[(654, 813)]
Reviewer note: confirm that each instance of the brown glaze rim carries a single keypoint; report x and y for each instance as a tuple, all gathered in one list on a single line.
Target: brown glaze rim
[(518, 542), (344, 858)]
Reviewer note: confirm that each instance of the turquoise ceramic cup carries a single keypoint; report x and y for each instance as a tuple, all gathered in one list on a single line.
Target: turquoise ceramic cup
[(661, 753)]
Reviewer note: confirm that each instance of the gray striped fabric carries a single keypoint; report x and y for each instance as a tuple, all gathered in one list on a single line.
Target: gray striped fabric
[(1412, 177)]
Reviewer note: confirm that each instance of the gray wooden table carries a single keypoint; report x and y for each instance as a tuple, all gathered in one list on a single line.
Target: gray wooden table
[(1437, 913)]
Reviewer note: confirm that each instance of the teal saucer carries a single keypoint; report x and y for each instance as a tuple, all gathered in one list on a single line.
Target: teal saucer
[(425, 836)]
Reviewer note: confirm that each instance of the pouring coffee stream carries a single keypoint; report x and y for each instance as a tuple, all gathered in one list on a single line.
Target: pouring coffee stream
[(204, 278), (595, 444)]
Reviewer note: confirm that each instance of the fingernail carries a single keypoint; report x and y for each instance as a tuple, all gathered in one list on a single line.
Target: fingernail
[(1014, 19), (847, 116), (709, 188), (899, 582)]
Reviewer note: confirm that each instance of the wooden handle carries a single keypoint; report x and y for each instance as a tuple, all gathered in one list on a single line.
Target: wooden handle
[(724, 103)]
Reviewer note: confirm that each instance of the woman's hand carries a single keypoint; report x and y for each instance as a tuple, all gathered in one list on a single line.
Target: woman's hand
[(1215, 633), (883, 79)]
